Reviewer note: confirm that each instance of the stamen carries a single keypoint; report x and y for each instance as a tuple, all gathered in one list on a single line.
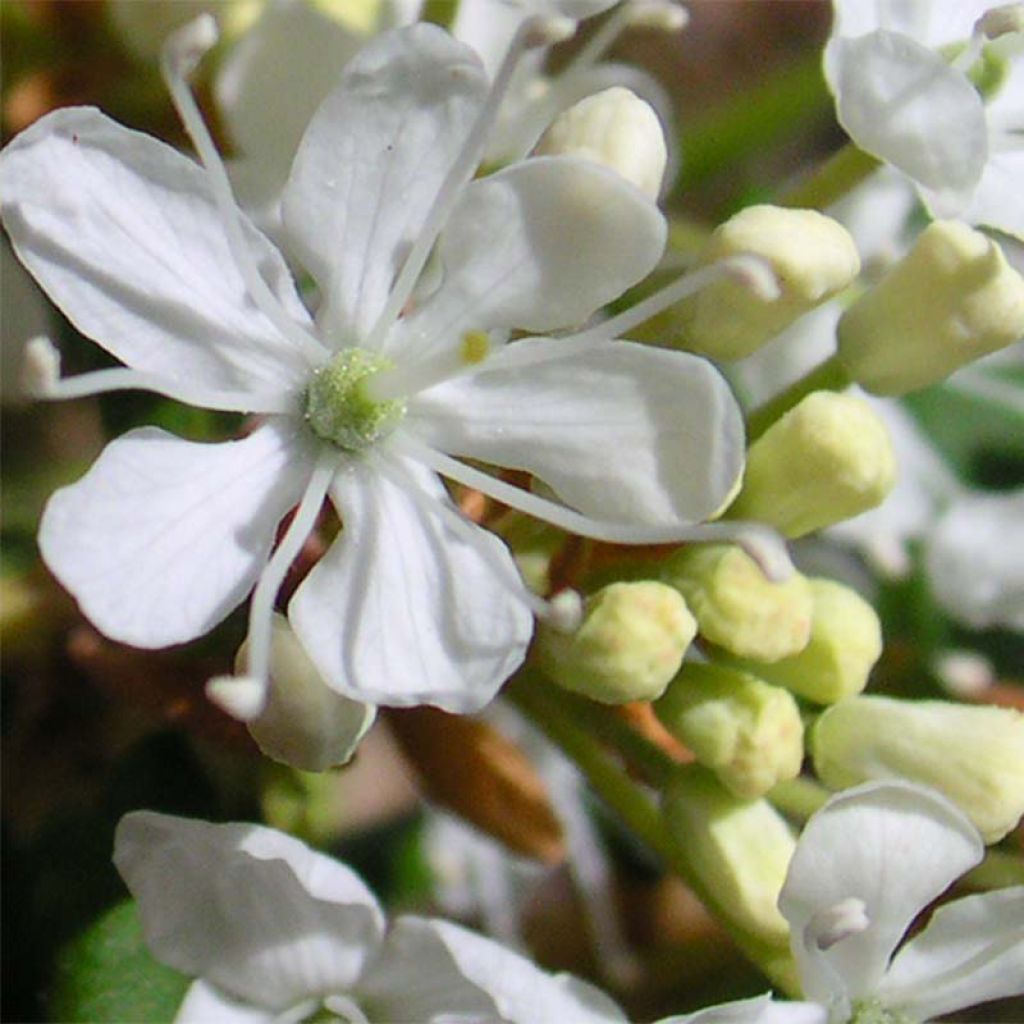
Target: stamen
[(759, 541), (181, 53), (1001, 21), (835, 923), (41, 379), (535, 31), (242, 697), (410, 378), (564, 612), (261, 609)]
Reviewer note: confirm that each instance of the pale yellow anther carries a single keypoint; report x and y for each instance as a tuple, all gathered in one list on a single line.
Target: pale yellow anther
[(614, 128), (952, 299), (973, 754), (1002, 21), (813, 258), (474, 347), (739, 850), (736, 607), (846, 641), (630, 644), (828, 459), (746, 731)]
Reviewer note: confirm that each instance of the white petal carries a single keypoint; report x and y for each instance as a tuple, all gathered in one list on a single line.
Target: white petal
[(371, 163), (975, 560), (997, 201), (122, 233), (904, 104), (204, 1004), (305, 723), (540, 245), (432, 968), (892, 845), (759, 1010), (402, 610), (619, 431), (248, 909), (972, 951), (163, 537)]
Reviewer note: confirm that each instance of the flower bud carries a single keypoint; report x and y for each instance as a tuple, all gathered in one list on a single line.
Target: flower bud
[(739, 849), (846, 641), (813, 258), (953, 298), (746, 731), (630, 644), (828, 459), (304, 723), (614, 128), (972, 754), (736, 606)]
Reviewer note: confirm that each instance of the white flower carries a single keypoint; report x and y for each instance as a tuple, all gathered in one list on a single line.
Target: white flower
[(901, 99), (867, 864), (148, 255), (275, 932)]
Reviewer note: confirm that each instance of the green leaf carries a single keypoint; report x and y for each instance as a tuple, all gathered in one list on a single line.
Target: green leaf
[(108, 975)]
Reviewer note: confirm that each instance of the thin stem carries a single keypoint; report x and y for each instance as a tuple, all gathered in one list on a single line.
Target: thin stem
[(798, 798), (830, 375), (837, 176)]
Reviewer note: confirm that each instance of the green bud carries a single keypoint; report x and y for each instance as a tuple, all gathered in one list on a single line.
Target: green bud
[(953, 298), (828, 459), (736, 606), (973, 754), (746, 731), (846, 641), (630, 644), (813, 258), (739, 849)]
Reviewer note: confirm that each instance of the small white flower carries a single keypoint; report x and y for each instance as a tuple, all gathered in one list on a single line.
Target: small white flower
[(149, 256), (275, 932), (902, 99), (867, 864)]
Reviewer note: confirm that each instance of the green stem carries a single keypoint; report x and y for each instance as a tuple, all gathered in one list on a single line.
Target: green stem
[(828, 376), (798, 798), (837, 176), (999, 870)]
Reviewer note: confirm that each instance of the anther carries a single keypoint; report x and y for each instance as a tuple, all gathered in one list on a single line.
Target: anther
[(840, 921)]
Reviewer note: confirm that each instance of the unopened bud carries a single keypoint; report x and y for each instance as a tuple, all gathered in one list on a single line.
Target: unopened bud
[(739, 849), (972, 754), (305, 724), (846, 641), (952, 299), (813, 258), (736, 607), (828, 459), (630, 644), (746, 731), (614, 128)]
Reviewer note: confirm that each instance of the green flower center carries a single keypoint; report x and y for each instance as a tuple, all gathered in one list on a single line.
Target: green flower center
[(338, 408), (870, 1011)]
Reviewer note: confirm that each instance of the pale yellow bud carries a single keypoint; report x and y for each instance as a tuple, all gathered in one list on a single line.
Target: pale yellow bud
[(813, 258), (736, 606), (739, 849), (828, 459), (846, 641), (630, 644), (614, 128), (746, 731), (953, 298), (973, 754)]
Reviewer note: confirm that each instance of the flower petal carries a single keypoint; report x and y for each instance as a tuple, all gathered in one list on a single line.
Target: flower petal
[(163, 537), (892, 845), (402, 610), (619, 431), (758, 1010), (122, 233), (204, 1003), (972, 951), (372, 162), (997, 201), (904, 104), (539, 245), (432, 968), (248, 909)]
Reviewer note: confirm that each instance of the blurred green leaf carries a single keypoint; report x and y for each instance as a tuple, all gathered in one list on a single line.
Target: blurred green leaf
[(107, 974)]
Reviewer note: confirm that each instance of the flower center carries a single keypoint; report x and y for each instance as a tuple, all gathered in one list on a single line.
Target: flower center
[(870, 1011), (339, 407)]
